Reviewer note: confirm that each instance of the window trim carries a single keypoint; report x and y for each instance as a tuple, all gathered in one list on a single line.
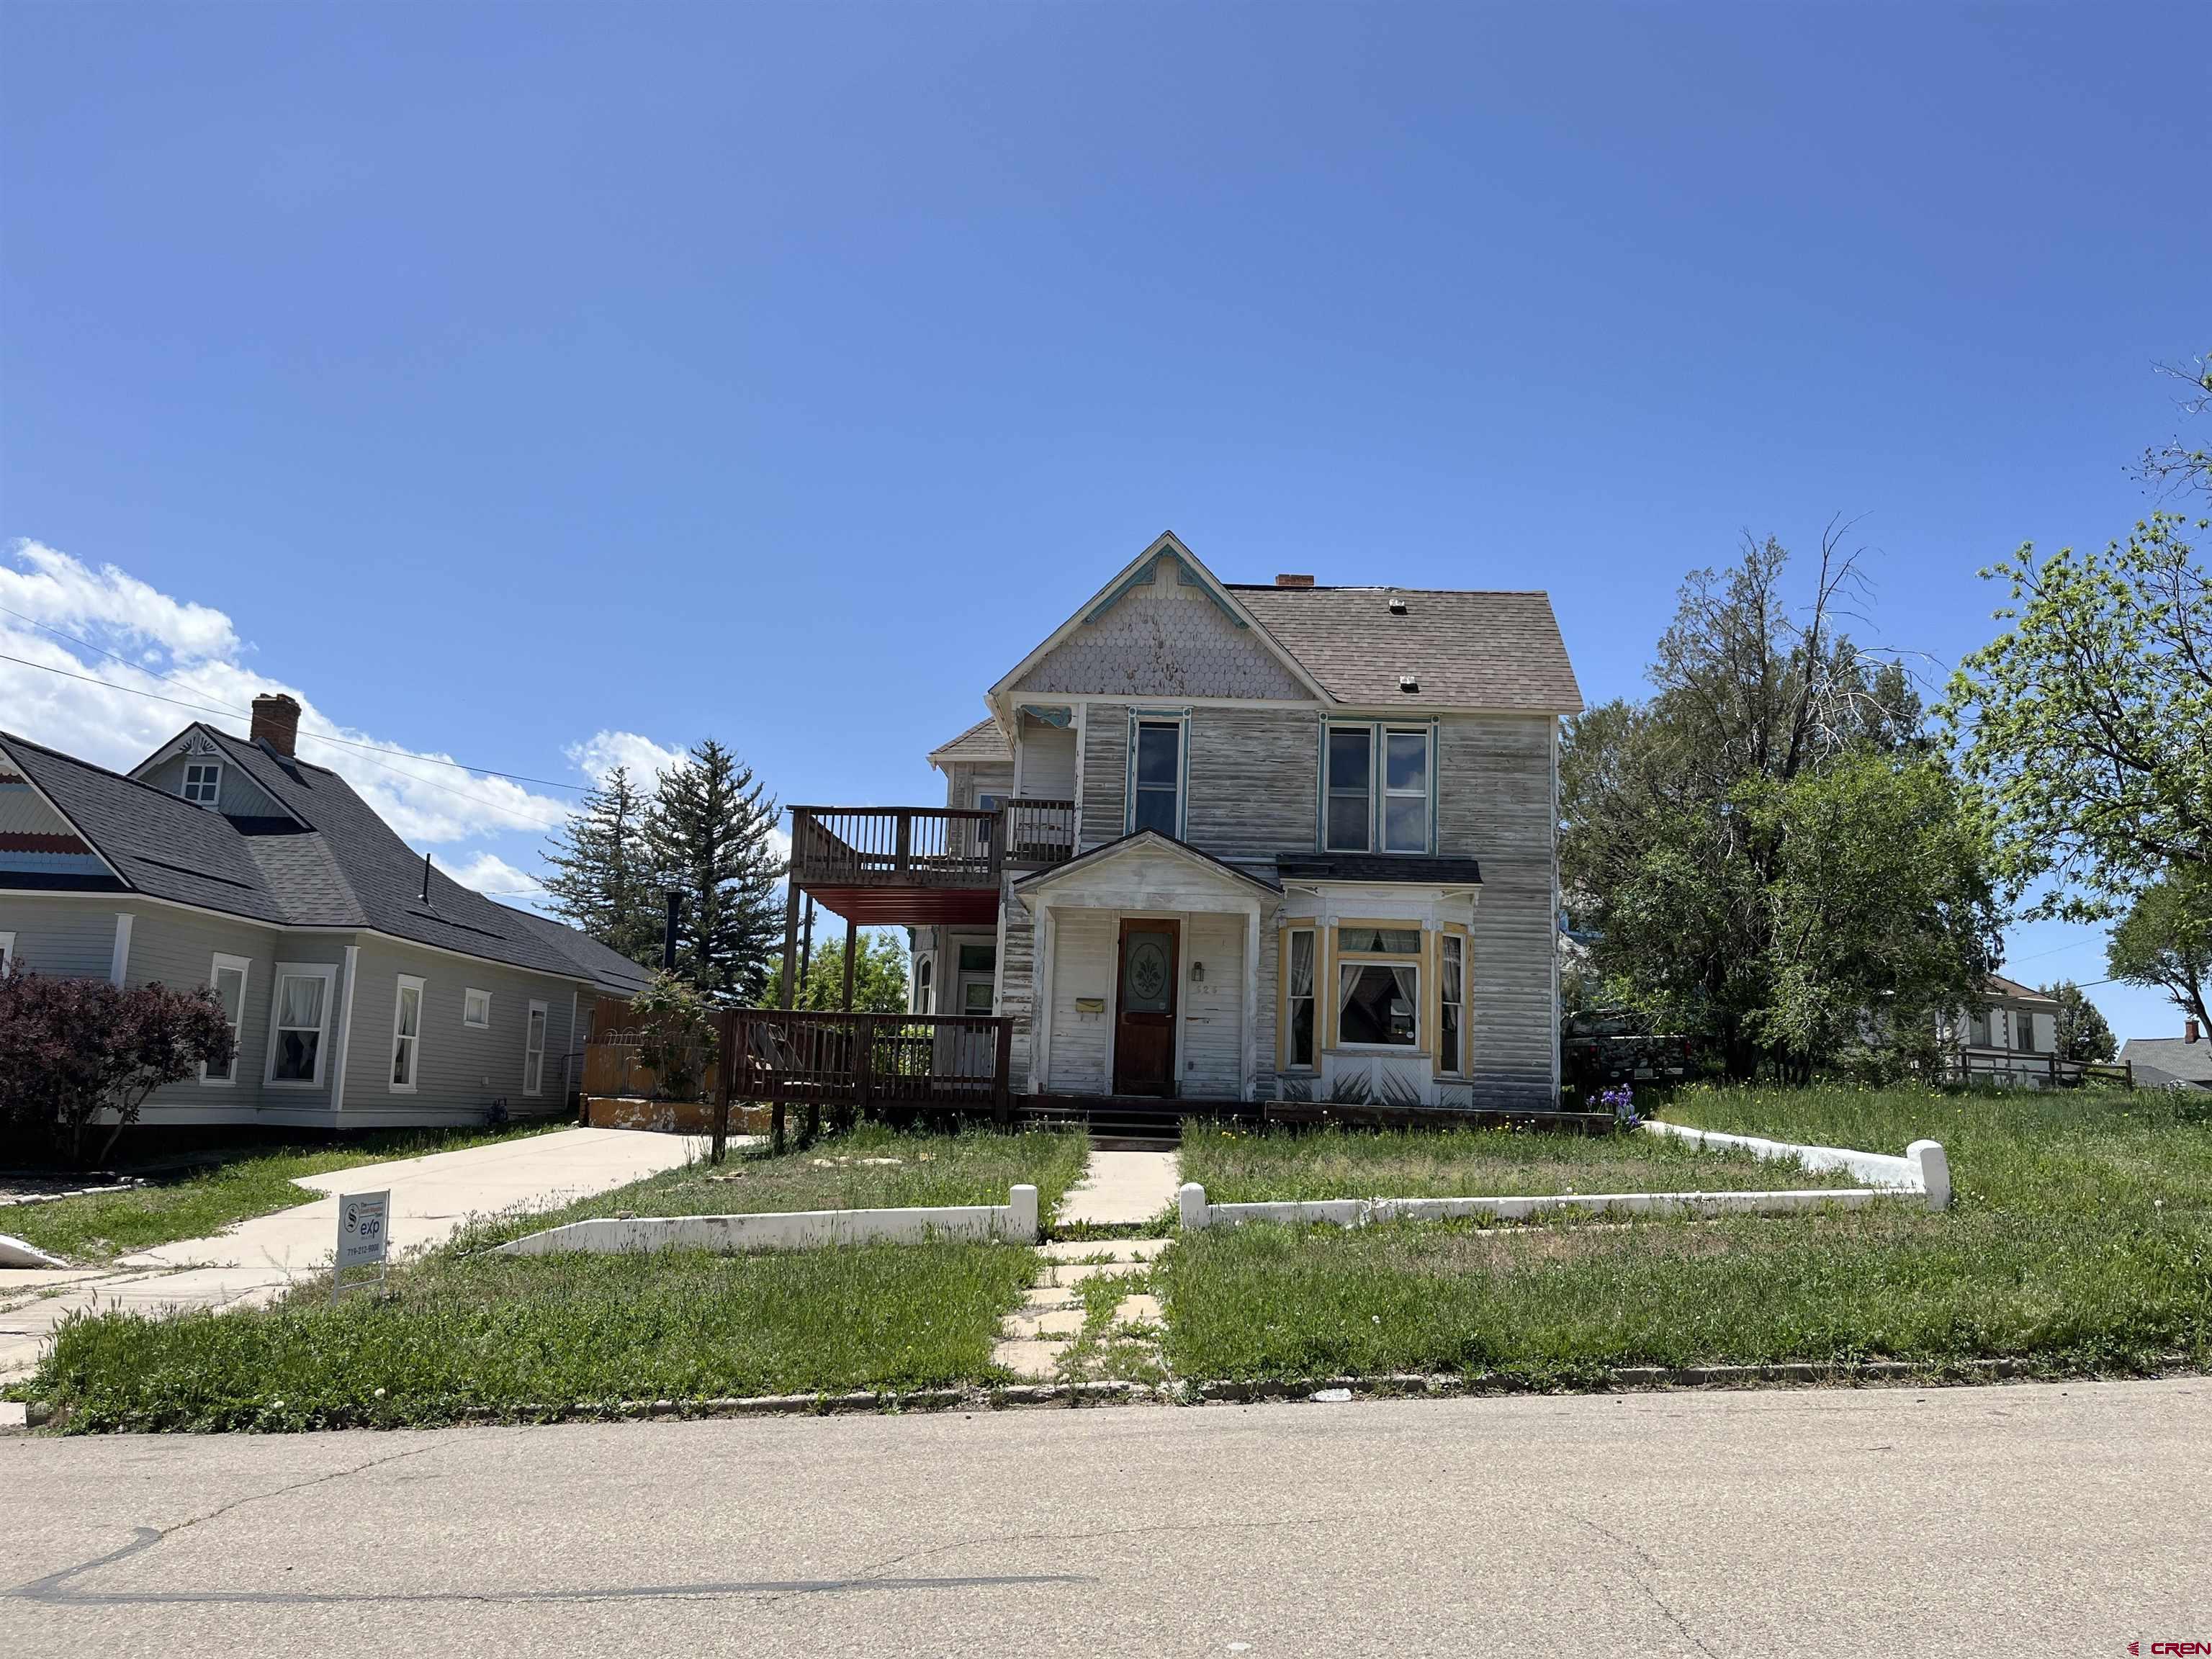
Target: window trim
[(1139, 718), (1380, 731), (925, 982), (6, 949), (242, 966), (184, 783), (1424, 1029), (468, 1024), (545, 1028), (403, 984), (1283, 1063), (328, 972)]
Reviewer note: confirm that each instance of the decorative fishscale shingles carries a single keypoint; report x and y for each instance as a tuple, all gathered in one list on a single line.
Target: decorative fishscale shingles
[(1465, 649), (1164, 638)]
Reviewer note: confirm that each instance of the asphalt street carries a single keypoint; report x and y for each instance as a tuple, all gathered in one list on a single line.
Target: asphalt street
[(2021, 1519)]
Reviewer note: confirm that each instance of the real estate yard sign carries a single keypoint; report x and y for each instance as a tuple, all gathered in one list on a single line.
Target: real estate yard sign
[(363, 1238)]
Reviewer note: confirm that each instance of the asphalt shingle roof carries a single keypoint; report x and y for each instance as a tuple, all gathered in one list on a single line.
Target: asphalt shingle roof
[(982, 741), (342, 866), (1464, 649), (2162, 1062)]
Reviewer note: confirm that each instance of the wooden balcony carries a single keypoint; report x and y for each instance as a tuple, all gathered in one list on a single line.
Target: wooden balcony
[(923, 865)]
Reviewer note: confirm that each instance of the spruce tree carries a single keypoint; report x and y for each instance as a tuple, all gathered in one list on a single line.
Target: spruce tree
[(710, 831), (603, 879)]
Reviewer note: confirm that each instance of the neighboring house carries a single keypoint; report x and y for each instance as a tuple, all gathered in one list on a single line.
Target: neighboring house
[(1230, 842), (2182, 1062), (2008, 1035), (367, 989)]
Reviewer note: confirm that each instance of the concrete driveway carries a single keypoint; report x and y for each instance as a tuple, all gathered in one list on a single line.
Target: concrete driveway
[(252, 1261), (2018, 1519)]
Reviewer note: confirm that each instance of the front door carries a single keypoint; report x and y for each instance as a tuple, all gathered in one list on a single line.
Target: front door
[(1143, 1026)]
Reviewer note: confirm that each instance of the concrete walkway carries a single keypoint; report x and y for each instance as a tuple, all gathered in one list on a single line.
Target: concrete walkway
[(253, 1261), (1120, 1189)]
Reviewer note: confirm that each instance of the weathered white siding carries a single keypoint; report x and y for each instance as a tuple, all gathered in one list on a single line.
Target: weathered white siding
[(1105, 774), (1017, 982), (1213, 1012), (1047, 760), (1252, 781), (1082, 949), (964, 779)]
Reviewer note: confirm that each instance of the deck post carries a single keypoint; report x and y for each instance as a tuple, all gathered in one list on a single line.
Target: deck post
[(726, 1049), (1002, 1105), (852, 941), (790, 1000), (902, 857)]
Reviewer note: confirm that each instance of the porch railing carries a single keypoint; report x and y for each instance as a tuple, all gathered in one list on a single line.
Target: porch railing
[(796, 1056), (927, 845), (1976, 1064)]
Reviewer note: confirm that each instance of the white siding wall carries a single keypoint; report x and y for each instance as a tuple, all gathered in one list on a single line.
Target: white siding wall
[(1048, 762), (1213, 1013), (1084, 943)]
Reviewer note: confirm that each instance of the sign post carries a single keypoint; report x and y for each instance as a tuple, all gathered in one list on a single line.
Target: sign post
[(363, 1238)]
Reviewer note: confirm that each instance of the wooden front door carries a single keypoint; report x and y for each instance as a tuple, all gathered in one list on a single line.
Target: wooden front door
[(1144, 1021)]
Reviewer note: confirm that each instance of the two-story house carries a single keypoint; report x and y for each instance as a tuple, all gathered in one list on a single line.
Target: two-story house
[(1233, 843), (364, 988)]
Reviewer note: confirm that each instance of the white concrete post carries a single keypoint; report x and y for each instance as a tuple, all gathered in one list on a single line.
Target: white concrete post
[(1022, 1215), (1935, 1171), (1190, 1201)]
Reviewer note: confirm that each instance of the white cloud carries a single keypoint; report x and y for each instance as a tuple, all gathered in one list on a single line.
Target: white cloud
[(104, 714), (494, 876), (603, 751)]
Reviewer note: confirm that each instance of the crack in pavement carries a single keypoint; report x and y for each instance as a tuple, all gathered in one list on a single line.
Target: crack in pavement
[(1644, 1584)]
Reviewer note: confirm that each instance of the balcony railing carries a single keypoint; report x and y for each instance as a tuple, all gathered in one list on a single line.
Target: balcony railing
[(927, 845)]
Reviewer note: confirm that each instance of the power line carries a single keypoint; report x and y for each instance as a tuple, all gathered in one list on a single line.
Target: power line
[(348, 743)]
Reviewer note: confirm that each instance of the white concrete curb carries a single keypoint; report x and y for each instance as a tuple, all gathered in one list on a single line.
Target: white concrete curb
[(1197, 1214), (1924, 1168), (1015, 1222), (15, 1253)]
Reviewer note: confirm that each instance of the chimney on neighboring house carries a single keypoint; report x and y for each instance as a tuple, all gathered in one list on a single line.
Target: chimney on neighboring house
[(1293, 581), (277, 722), (2188, 1031)]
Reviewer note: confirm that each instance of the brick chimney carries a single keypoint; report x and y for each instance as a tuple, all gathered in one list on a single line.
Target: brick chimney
[(277, 722), (2188, 1031), (1293, 581)]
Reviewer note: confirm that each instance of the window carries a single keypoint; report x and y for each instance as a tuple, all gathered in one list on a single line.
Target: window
[(1378, 989), (979, 958), (986, 801), (476, 1009), (226, 979), (202, 781), (1298, 998), (1351, 770), (533, 1050), (2024, 1024), (406, 1033), (1156, 803), (1451, 1001), (6, 949), (925, 968), (300, 1020), (1405, 791), (975, 997), (1363, 811)]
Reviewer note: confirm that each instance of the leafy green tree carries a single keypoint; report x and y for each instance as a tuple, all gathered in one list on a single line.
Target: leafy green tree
[(2165, 942), (676, 1035), (2087, 725), (2083, 1032), (878, 977), (1768, 852), (603, 879), (710, 832)]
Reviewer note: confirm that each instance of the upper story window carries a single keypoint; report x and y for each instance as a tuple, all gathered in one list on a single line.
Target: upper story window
[(924, 990), (1368, 807), (1156, 795), (476, 1009), (202, 781)]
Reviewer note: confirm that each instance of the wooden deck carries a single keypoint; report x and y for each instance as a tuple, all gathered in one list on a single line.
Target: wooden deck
[(919, 866)]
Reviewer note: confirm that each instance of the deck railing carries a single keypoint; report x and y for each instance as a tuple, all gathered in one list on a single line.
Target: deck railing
[(2017, 1066), (927, 845), (796, 1056)]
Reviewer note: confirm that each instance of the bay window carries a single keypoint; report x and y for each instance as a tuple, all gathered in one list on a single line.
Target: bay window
[(1378, 989), (1451, 1002), (300, 1024), (1298, 998)]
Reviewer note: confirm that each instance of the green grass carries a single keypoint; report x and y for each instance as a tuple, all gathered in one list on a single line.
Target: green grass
[(532, 1337), (868, 1167), (2080, 1243), (258, 1180), (1244, 1166)]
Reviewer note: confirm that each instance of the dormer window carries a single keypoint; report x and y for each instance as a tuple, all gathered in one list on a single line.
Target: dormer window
[(202, 781)]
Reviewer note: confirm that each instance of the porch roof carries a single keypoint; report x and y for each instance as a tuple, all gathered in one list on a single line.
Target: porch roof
[(1418, 869), (1247, 885)]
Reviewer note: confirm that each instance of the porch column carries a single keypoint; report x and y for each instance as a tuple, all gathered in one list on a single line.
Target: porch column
[(1252, 998), (1041, 1003)]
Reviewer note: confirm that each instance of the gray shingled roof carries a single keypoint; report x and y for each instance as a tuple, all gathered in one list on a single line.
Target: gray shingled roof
[(982, 741), (347, 868), (1425, 870), (2162, 1062), (1466, 650)]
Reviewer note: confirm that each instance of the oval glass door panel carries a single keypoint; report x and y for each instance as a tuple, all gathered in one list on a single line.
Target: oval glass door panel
[(1144, 972)]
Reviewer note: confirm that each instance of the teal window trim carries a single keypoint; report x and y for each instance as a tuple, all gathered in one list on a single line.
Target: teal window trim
[(1180, 718), (1379, 730)]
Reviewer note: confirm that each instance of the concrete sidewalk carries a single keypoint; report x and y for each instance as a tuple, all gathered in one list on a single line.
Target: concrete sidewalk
[(1119, 1189), (255, 1261)]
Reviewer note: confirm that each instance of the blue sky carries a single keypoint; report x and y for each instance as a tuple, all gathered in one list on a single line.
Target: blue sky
[(506, 377)]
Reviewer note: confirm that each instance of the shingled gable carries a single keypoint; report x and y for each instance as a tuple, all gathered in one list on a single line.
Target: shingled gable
[(981, 743), (1236, 632)]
